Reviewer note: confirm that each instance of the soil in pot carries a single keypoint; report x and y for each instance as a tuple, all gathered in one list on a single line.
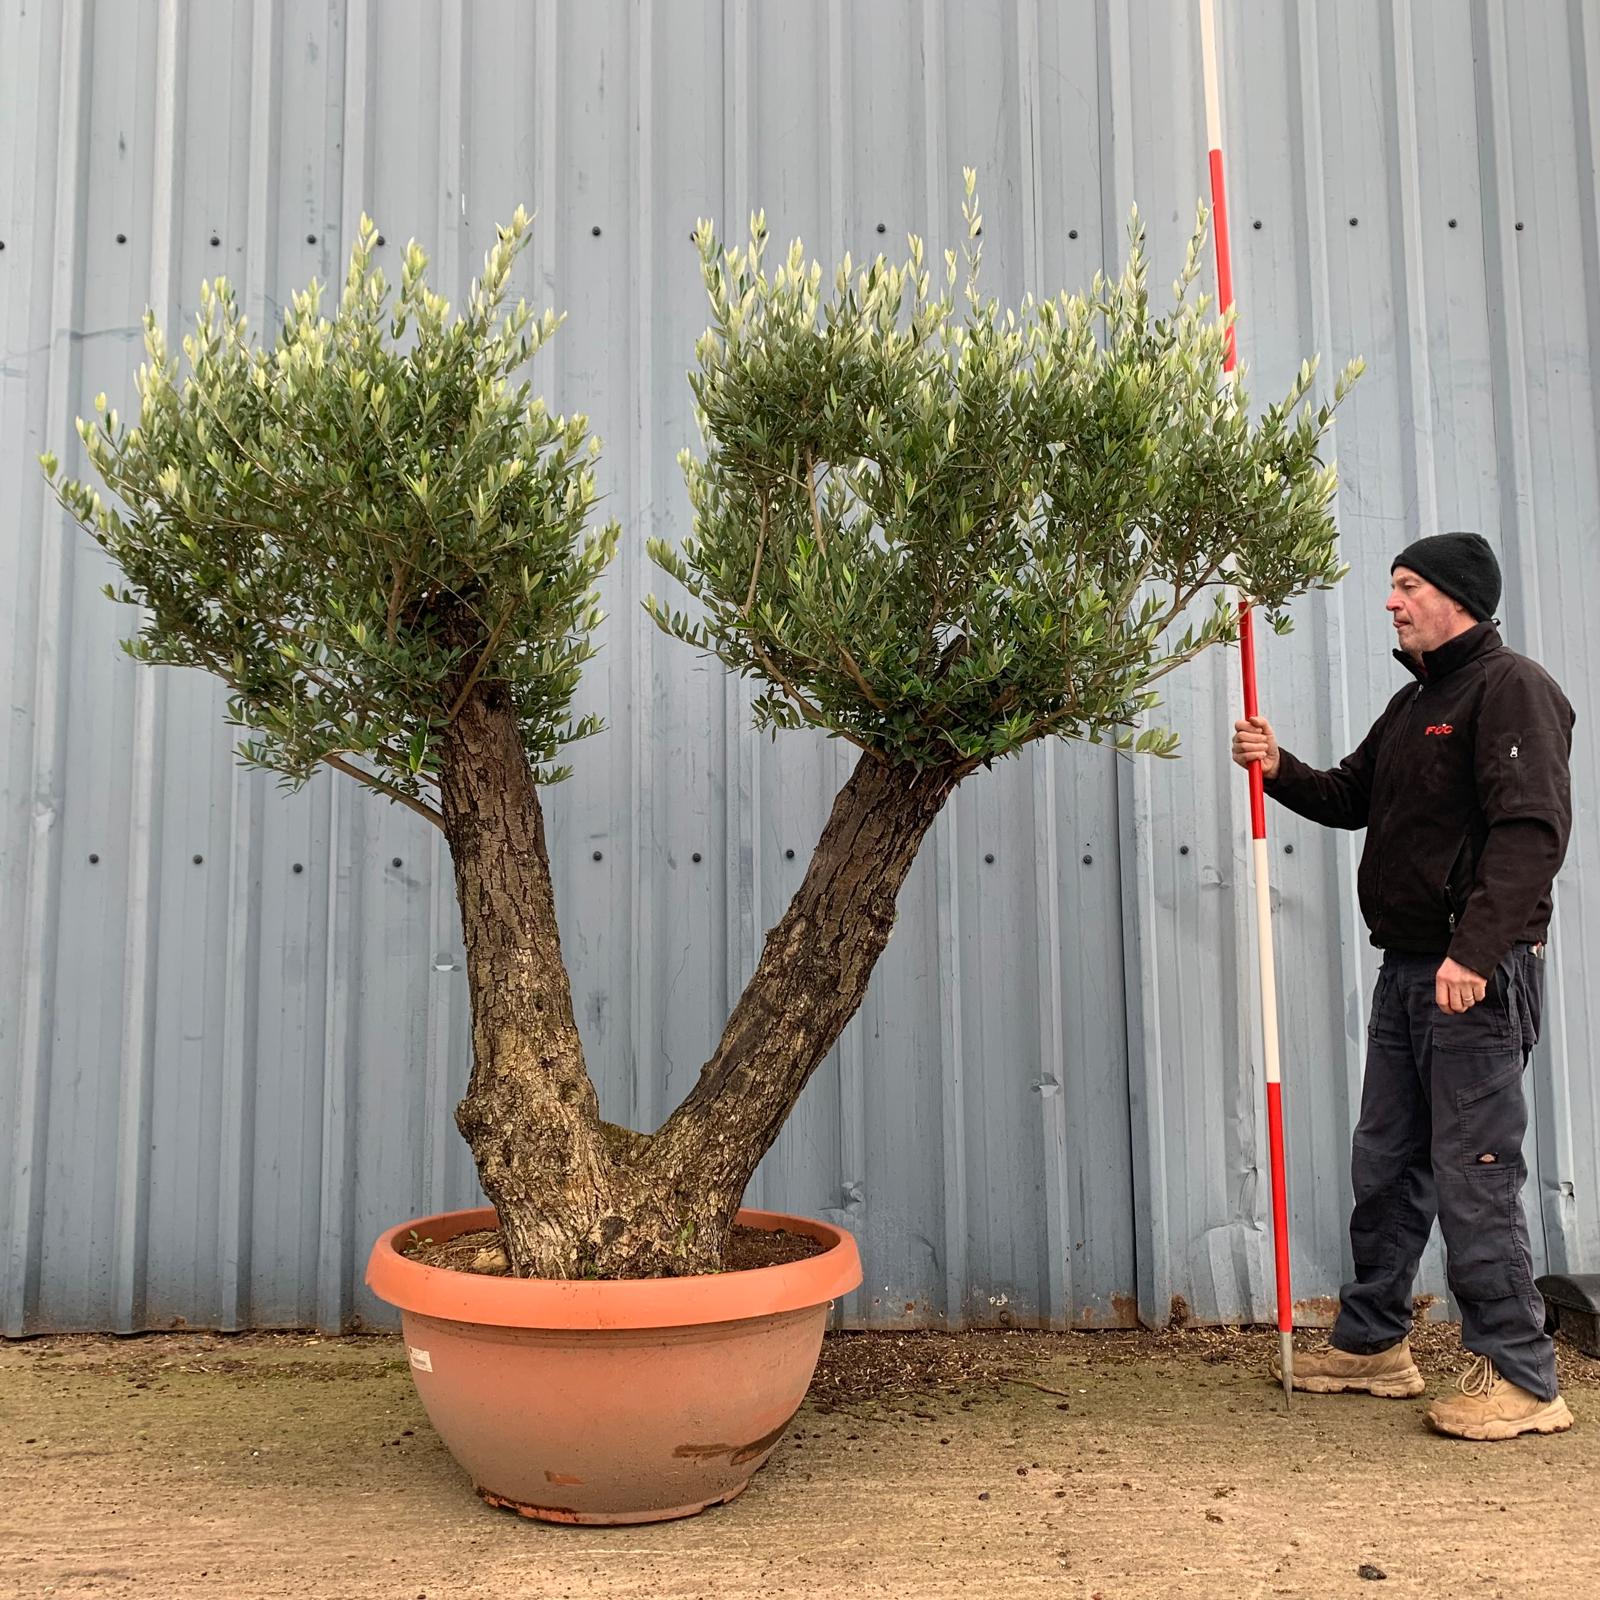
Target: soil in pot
[(483, 1251)]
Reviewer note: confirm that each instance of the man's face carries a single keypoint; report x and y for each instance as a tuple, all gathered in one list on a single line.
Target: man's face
[(1424, 617)]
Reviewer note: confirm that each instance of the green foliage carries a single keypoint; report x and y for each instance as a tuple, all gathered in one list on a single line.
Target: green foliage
[(940, 530), (353, 527)]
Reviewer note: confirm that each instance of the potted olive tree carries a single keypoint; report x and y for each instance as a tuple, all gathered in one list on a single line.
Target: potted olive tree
[(936, 529)]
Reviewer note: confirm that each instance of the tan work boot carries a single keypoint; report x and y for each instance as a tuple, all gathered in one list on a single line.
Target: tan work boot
[(1492, 1407), (1391, 1374)]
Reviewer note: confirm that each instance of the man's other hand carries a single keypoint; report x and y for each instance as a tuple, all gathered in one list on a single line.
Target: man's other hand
[(1255, 741), (1458, 988)]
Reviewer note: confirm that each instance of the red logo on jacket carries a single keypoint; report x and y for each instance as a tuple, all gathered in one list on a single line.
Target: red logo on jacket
[(1439, 728)]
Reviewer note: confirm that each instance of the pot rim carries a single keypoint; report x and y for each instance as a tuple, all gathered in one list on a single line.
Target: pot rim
[(609, 1303)]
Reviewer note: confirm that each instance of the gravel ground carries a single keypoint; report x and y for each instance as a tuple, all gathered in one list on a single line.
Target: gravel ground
[(1120, 1465)]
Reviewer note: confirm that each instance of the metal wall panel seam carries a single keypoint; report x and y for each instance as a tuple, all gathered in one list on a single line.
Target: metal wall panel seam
[(1329, 615), (264, 95), (952, 1072), (1548, 1088), (438, 1126), (1552, 1082), (240, 1010), (449, 244), (356, 118), (952, 1066), (242, 983), (741, 765), (25, 119), (346, 843), (1056, 1237), (141, 936), (1551, 1111), (1491, 72), (1153, 1266), (439, 1135), (42, 894), (1152, 1224), (643, 846), (1584, 54), (1491, 75), (1405, 202), (237, 1231), (1567, 1240), (547, 150), (237, 1286), (240, 972), (335, 1287), (850, 1048)]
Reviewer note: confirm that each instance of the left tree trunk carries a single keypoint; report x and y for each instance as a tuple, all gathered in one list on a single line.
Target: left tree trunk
[(576, 1196), (530, 1114)]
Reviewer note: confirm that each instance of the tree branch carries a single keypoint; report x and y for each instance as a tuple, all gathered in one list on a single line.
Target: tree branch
[(479, 666), (813, 714), (811, 495), (761, 546), (1181, 600), (1140, 572), (1048, 725), (855, 672), (301, 668), (392, 621), (813, 972), (1173, 662), (421, 807)]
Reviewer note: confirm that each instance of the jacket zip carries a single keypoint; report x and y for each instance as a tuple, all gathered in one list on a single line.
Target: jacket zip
[(1449, 896), (1401, 724)]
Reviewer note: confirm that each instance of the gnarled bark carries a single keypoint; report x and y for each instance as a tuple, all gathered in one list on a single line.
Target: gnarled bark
[(530, 1114), (575, 1195), (811, 979)]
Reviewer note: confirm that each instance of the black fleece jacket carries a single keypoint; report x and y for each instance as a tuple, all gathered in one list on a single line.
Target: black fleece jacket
[(1463, 788)]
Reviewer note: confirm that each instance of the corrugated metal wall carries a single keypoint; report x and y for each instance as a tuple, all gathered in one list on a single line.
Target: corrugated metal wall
[(233, 1024)]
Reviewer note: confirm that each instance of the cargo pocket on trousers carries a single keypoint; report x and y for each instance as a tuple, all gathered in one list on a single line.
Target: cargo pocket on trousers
[(1491, 1120), (1479, 1205)]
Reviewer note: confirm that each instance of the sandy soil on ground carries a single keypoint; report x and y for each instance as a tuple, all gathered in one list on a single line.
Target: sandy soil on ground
[(1145, 1466)]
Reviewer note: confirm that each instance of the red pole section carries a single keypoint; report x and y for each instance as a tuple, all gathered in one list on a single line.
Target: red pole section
[(1258, 805), (1219, 235)]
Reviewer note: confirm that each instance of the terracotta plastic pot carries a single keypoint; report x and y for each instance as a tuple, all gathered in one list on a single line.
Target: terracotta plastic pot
[(631, 1400)]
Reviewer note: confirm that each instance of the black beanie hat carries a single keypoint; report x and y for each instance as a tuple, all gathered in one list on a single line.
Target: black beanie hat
[(1461, 564)]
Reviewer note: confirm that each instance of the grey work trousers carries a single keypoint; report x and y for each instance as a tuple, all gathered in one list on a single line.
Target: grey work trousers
[(1443, 1116)]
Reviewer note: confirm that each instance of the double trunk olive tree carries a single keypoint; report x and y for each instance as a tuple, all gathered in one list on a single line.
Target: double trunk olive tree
[(932, 528)]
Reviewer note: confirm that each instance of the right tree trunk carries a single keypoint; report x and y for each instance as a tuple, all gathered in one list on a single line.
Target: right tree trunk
[(812, 977)]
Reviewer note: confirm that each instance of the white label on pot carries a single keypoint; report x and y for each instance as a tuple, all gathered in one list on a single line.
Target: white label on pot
[(420, 1359)]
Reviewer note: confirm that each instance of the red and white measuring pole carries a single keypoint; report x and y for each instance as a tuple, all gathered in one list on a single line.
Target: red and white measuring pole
[(1258, 803)]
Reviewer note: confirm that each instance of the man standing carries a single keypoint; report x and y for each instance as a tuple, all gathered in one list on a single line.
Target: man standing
[(1462, 786)]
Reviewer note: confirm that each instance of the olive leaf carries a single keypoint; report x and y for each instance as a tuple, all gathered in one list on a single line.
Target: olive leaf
[(941, 530)]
